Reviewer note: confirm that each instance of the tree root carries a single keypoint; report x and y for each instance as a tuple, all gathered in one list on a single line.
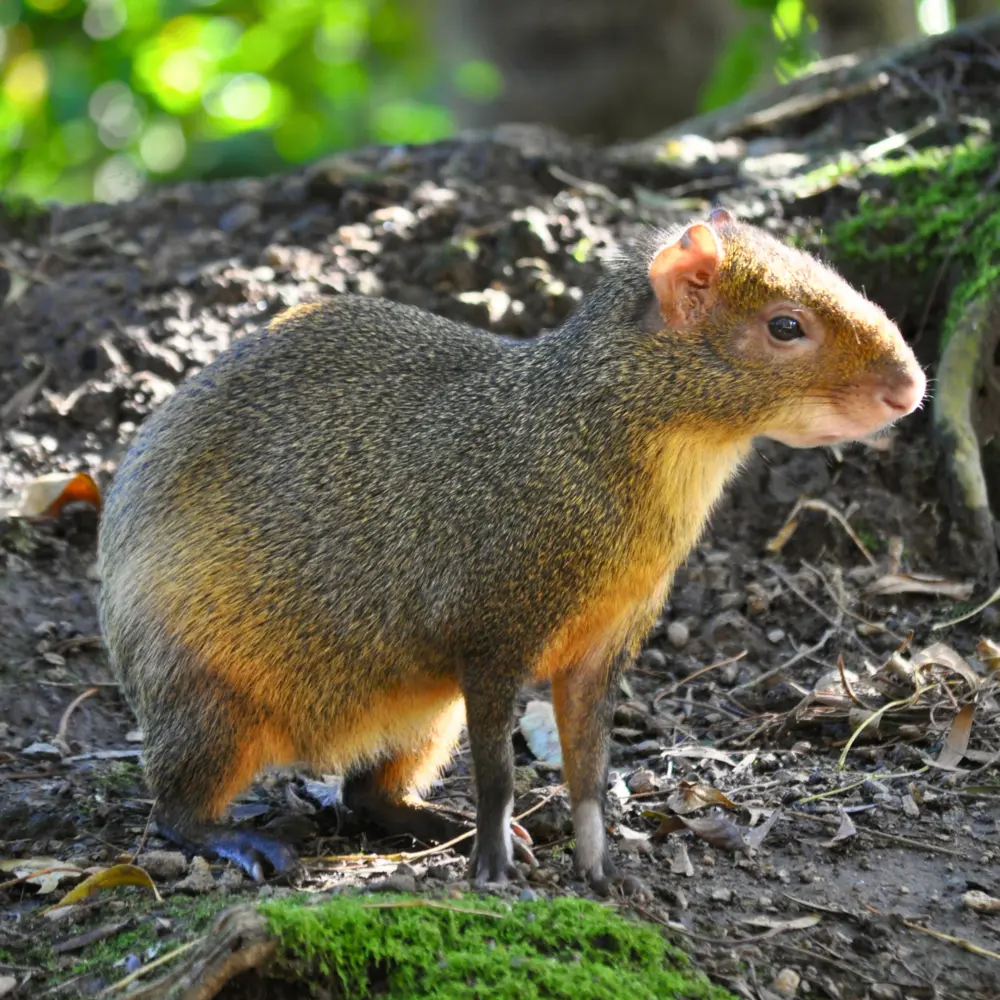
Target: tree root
[(966, 412), (238, 941)]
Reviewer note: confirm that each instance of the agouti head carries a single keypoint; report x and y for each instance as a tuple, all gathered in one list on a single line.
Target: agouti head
[(792, 351)]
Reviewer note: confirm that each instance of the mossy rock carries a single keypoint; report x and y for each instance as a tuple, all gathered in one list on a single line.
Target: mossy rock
[(360, 947)]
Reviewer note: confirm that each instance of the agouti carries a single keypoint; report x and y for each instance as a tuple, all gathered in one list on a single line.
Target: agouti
[(364, 524)]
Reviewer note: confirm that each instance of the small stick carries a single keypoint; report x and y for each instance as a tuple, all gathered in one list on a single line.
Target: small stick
[(64, 721)]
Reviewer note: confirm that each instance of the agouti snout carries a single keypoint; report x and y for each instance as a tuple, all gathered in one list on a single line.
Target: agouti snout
[(364, 525)]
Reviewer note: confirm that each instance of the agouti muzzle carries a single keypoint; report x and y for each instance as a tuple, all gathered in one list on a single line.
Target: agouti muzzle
[(363, 525)]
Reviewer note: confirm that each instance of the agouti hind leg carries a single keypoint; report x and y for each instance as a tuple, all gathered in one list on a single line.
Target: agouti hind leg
[(388, 794), (196, 766)]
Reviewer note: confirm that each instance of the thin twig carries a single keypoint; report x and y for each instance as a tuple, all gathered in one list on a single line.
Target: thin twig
[(156, 963), (70, 708)]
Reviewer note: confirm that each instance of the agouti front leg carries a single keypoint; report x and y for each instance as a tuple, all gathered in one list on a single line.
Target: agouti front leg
[(584, 701), (489, 709)]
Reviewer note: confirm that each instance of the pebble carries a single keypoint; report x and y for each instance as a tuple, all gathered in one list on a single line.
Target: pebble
[(164, 864), (642, 782), (528, 895), (634, 888), (678, 634), (199, 880), (775, 635), (722, 895), (885, 991), (239, 216), (396, 882), (786, 982), (42, 751), (653, 659), (7, 985)]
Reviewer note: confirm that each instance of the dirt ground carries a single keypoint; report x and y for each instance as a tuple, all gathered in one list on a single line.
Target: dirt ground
[(858, 889)]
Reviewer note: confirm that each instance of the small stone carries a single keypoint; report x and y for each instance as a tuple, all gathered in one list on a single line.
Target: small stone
[(162, 926), (7, 985), (786, 982), (442, 873), (166, 865), (775, 635), (232, 878), (653, 659), (678, 634), (405, 869), (42, 751), (885, 991), (239, 216), (199, 880), (395, 883), (642, 782), (722, 895), (764, 902), (528, 895), (634, 888)]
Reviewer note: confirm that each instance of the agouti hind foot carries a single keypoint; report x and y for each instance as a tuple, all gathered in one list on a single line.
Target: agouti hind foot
[(247, 849), (423, 820)]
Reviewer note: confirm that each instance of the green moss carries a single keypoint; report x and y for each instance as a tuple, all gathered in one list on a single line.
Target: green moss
[(932, 213), (357, 947)]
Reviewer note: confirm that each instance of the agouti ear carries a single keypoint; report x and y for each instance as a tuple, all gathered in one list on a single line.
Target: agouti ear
[(682, 273)]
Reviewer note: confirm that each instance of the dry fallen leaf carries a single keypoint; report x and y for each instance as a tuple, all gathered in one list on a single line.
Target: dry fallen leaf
[(691, 796), (50, 872), (755, 836), (920, 583), (845, 831), (46, 496), (957, 741), (988, 652), (716, 830), (942, 655), (538, 727), (110, 878)]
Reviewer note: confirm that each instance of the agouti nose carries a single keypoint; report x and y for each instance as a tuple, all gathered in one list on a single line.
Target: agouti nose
[(902, 393)]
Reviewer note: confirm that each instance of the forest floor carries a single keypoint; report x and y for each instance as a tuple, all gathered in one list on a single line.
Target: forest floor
[(790, 871)]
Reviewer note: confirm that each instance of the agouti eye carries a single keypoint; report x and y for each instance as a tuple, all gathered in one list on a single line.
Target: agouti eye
[(785, 328)]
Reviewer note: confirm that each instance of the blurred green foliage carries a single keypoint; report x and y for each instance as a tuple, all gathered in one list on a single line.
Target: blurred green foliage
[(780, 34), (98, 95)]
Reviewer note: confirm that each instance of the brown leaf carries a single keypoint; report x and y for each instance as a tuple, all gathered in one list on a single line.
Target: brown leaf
[(920, 583), (755, 836), (988, 652), (942, 655), (957, 741), (716, 830), (845, 831), (691, 796), (46, 496)]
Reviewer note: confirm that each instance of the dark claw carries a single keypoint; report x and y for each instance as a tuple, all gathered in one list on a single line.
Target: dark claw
[(245, 848)]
